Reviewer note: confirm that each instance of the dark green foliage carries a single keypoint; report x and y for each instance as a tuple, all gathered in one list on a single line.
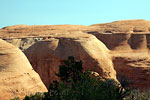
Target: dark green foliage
[(71, 69), (76, 84)]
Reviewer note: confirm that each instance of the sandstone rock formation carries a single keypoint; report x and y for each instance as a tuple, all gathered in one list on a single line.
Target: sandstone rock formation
[(125, 42), (136, 69), (40, 30), (17, 77), (129, 45), (124, 27), (128, 42), (45, 56)]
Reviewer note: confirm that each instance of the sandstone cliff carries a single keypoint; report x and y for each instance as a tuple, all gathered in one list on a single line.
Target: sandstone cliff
[(128, 44), (17, 77)]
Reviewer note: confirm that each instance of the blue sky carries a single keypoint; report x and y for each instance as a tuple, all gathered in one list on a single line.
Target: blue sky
[(79, 12)]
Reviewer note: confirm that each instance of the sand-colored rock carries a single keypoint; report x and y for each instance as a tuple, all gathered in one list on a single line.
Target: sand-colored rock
[(115, 41), (136, 69), (45, 56), (40, 30), (131, 56), (121, 27), (17, 77), (125, 27), (24, 43), (127, 41)]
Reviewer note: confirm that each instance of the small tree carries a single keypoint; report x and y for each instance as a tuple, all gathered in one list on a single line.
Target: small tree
[(71, 69)]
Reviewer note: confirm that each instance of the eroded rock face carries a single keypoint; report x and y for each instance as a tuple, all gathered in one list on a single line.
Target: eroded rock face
[(46, 56), (24, 43), (137, 71), (115, 41), (17, 77), (127, 41), (130, 55)]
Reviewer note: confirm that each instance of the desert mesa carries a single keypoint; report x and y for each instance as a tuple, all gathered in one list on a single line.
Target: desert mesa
[(30, 55)]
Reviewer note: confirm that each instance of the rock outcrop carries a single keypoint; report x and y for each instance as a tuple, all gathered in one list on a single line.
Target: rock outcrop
[(17, 77), (124, 27), (128, 44), (136, 69), (125, 42), (45, 56)]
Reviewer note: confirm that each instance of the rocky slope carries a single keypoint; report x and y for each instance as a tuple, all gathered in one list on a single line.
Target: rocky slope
[(128, 44), (17, 75)]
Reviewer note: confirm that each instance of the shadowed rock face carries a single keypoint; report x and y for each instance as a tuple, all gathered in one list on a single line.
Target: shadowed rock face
[(138, 41), (130, 56), (137, 70), (127, 41), (115, 41), (17, 77), (46, 56)]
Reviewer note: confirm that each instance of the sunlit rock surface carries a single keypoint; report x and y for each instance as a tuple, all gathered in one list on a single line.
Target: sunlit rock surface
[(127, 43), (17, 77)]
